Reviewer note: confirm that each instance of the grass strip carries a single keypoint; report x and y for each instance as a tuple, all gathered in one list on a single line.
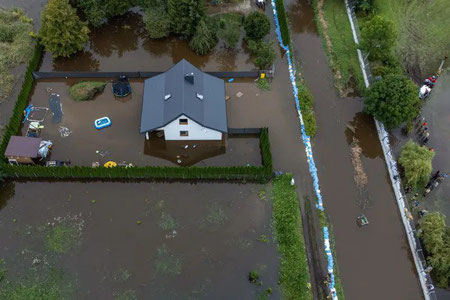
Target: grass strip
[(294, 277), (335, 31)]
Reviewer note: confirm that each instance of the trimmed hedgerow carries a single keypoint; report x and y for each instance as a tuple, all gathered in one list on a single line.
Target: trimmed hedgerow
[(294, 269), (282, 20), (22, 101), (250, 173)]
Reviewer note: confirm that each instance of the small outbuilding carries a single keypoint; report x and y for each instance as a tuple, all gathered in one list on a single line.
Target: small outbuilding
[(22, 150), (184, 103)]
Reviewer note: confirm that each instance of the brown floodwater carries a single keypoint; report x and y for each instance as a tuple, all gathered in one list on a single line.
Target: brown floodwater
[(186, 246), (375, 261), (122, 45), (122, 142)]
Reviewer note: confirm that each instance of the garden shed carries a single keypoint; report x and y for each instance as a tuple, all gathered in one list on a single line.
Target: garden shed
[(22, 149)]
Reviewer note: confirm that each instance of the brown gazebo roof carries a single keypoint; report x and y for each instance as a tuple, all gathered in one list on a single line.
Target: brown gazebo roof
[(23, 146)]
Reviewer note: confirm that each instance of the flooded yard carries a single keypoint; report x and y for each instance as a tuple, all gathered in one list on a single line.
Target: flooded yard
[(151, 240), (122, 142)]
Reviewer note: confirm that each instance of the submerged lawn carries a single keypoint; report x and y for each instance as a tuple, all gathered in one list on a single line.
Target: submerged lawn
[(295, 281)]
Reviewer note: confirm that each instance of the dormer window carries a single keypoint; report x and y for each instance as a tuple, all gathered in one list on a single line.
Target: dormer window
[(167, 97), (199, 97)]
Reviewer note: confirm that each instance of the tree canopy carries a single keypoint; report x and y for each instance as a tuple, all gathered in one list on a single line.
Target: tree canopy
[(98, 11), (204, 39), (392, 100), (417, 161), (436, 238), (185, 15), (257, 25), (377, 37), (157, 22), (62, 32)]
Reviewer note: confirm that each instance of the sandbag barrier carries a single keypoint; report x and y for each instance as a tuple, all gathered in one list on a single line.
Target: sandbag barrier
[(416, 250), (309, 155)]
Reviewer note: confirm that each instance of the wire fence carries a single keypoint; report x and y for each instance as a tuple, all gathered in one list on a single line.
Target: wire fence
[(408, 222)]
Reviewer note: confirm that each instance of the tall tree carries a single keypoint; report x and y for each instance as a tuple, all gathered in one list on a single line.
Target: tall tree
[(392, 100), (203, 40), (377, 37), (417, 161), (436, 238), (257, 25), (185, 15), (62, 32)]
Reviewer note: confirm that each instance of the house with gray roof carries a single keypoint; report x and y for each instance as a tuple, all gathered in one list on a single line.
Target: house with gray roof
[(184, 103)]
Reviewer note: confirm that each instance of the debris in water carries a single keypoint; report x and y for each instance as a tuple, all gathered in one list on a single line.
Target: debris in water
[(93, 201), (187, 146), (292, 181), (64, 131), (227, 97), (231, 80), (139, 222), (239, 94), (360, 175), (179, 161), (194, 146)]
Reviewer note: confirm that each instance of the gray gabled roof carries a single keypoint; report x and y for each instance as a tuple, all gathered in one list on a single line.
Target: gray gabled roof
[(209, 112)]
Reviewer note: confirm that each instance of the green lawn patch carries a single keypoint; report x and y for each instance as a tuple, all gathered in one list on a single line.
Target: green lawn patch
[(16, 46), (423, 32), (339, 45), (86, 90), (294, 277)]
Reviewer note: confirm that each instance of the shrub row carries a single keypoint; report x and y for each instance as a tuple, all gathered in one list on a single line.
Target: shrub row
[(251, 173), (294, 277), (306, 103), (282, 20), (22, 101)]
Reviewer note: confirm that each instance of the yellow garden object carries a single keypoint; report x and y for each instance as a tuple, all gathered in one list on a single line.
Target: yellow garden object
[(110, 164), (262, 75)]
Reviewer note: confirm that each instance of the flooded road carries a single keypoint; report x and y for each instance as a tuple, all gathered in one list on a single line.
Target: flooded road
[(154, 240), (374, 261)]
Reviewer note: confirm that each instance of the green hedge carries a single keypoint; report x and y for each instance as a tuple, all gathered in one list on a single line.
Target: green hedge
[(22, 101), (252, 173), (282, 20), (294, 269)]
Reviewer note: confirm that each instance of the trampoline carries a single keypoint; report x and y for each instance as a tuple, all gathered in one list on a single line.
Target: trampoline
[(121, 87)]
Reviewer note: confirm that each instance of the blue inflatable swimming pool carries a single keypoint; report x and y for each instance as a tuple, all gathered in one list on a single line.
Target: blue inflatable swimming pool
[(102, 123)]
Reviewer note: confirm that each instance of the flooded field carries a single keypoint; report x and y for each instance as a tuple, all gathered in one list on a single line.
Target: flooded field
[(152, 240), (122, 45), (122, 142), (374, 261)]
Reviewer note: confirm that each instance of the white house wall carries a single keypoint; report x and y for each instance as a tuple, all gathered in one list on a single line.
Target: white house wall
[(196, 131)]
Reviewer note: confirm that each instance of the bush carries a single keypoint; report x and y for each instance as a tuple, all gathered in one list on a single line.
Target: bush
[(392, 100), (294, 270), (436, 238), (185, 15), (282, 20), (378, 36), (157, 23), (86, 90), (416, 161), (62, 32), (264, 53), (257, 25), (364, 6), (230, 32), (306, 104), (204, 39)]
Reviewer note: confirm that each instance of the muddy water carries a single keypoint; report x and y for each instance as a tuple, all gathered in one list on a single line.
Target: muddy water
[(122, 45), (213, 241), (122, 142), (374, 261)]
